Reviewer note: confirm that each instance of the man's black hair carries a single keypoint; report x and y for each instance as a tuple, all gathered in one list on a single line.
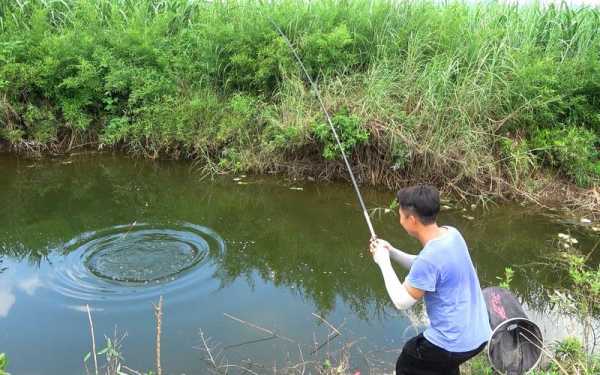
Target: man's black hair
[(421, 200)]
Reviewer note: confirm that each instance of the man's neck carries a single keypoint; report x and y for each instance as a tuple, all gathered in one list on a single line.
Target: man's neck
[(429, 232)]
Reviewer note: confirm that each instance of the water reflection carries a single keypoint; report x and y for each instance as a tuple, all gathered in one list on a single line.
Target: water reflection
[(30, 285), (7, 300), (284, 254), (312, 242), (10, 284)]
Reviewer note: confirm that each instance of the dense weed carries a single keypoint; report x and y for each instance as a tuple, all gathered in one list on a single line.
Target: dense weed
[(476, 97)]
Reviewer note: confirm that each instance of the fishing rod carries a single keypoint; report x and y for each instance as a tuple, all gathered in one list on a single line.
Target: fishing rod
[(337, 139)]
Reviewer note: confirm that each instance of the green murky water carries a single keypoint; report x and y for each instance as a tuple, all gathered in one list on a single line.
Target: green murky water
[(115, 234)]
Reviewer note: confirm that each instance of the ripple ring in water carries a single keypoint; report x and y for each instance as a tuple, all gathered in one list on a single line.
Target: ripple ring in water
[(128, 262)]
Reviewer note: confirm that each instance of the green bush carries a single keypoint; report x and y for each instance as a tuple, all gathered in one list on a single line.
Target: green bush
[(572, 150), (349, 130), (433, 87), (571, 354), (570, 350), (329, 53)]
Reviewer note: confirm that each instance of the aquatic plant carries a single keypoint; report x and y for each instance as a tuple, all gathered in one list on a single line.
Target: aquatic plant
[(504, 282), (579, 297)]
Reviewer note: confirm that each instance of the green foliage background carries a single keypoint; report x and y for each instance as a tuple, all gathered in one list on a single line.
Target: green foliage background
[(483, 96)]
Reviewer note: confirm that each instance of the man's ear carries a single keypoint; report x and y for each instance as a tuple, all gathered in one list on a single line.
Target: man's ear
[(412, 219)]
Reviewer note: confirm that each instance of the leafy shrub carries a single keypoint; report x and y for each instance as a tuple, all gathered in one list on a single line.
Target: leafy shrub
[(348, 128), (281, 137), (215, 80), (116, 131), (554, 93), (41, 124), (572, 150), (14, 136), (329, 52), (570, 349)]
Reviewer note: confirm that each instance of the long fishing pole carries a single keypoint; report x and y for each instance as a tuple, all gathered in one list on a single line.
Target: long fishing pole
[(337, 139)]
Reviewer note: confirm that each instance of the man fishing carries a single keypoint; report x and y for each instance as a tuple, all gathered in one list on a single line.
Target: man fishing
[(443, 274)]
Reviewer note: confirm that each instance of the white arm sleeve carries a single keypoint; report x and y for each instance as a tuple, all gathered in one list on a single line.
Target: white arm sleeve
[(397, 292), (402, 258)]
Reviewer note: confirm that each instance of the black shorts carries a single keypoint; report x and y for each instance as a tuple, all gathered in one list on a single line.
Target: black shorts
[(421, 357)]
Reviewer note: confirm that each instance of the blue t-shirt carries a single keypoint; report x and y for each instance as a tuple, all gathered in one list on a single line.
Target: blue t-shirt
[(453, 297)]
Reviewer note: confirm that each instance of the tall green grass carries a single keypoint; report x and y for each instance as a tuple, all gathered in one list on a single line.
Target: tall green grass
[(480, 97)]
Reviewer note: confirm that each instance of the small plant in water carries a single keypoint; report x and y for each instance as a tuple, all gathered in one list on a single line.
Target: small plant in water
[(581, 299), (112, 356), (507, 279)]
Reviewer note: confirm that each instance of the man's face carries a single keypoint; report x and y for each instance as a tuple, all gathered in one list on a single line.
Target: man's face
[(408, 221)]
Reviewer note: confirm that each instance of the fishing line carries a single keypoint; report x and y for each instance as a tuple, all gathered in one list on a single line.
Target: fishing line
[(337, 139)]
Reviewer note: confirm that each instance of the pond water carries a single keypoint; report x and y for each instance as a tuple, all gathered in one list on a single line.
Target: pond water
[(116, 234)]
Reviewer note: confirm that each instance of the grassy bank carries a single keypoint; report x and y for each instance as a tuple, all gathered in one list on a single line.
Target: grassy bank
[(483, 99)]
